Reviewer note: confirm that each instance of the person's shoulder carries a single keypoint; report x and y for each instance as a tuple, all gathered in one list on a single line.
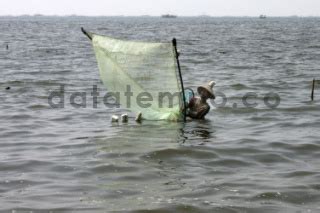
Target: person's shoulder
[(195, 98)]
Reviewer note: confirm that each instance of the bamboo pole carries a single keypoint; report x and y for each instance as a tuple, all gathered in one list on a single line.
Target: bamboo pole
[(174, 42), (88, 34), (312, 90)]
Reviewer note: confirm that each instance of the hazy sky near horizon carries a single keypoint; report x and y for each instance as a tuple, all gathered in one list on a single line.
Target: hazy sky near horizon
[(157, 7)]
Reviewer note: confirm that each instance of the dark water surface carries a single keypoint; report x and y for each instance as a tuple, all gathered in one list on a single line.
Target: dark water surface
[(238, 160)]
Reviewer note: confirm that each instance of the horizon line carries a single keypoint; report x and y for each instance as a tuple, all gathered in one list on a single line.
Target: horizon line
[(204, 15)]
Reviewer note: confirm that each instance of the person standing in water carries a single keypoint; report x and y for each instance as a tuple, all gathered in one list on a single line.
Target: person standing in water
[(197, 108)]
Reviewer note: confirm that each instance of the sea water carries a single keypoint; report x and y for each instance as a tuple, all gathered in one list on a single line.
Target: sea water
[(242, 158)]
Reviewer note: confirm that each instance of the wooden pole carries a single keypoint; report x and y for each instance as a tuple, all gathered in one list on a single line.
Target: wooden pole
[(88, 34), (174, 42), (312, 90)]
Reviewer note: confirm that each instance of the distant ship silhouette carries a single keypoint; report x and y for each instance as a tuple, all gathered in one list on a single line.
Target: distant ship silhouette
[(262, 16), (169, 16)]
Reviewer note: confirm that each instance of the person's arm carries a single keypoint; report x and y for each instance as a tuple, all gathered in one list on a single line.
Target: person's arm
[(204, 110), (200, 113)]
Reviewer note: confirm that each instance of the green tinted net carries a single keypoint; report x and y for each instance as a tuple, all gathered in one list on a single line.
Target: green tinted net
[(143, 76)]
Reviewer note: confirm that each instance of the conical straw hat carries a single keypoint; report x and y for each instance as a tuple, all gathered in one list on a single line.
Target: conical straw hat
[(209, 88)]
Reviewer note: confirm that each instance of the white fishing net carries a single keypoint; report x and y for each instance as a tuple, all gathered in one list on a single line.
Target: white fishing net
[(148, 70)]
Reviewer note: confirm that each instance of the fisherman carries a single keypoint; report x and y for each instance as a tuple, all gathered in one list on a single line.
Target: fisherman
[(198, 107)]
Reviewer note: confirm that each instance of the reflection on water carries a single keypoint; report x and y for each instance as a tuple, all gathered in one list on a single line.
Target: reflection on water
[(141, 165), (201, 130)]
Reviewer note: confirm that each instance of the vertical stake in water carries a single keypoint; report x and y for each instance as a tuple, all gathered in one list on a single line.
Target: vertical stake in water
[(174, 42), (312, 90)]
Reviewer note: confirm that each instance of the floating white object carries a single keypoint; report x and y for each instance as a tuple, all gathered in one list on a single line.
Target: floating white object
[(124, 118), (114, 118), (139, 117)]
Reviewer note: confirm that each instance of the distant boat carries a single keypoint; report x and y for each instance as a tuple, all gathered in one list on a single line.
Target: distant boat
[(262, 16), (169, 16), (38, 15)]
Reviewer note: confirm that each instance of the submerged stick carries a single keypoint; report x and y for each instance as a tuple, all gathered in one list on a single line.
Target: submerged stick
[(312, 90), (88, 34)]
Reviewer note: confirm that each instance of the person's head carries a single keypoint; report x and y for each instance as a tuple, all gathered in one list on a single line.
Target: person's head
[(206, 91)]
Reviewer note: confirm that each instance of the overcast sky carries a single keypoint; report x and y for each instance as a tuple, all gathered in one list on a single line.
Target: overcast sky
[(158, 7)]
